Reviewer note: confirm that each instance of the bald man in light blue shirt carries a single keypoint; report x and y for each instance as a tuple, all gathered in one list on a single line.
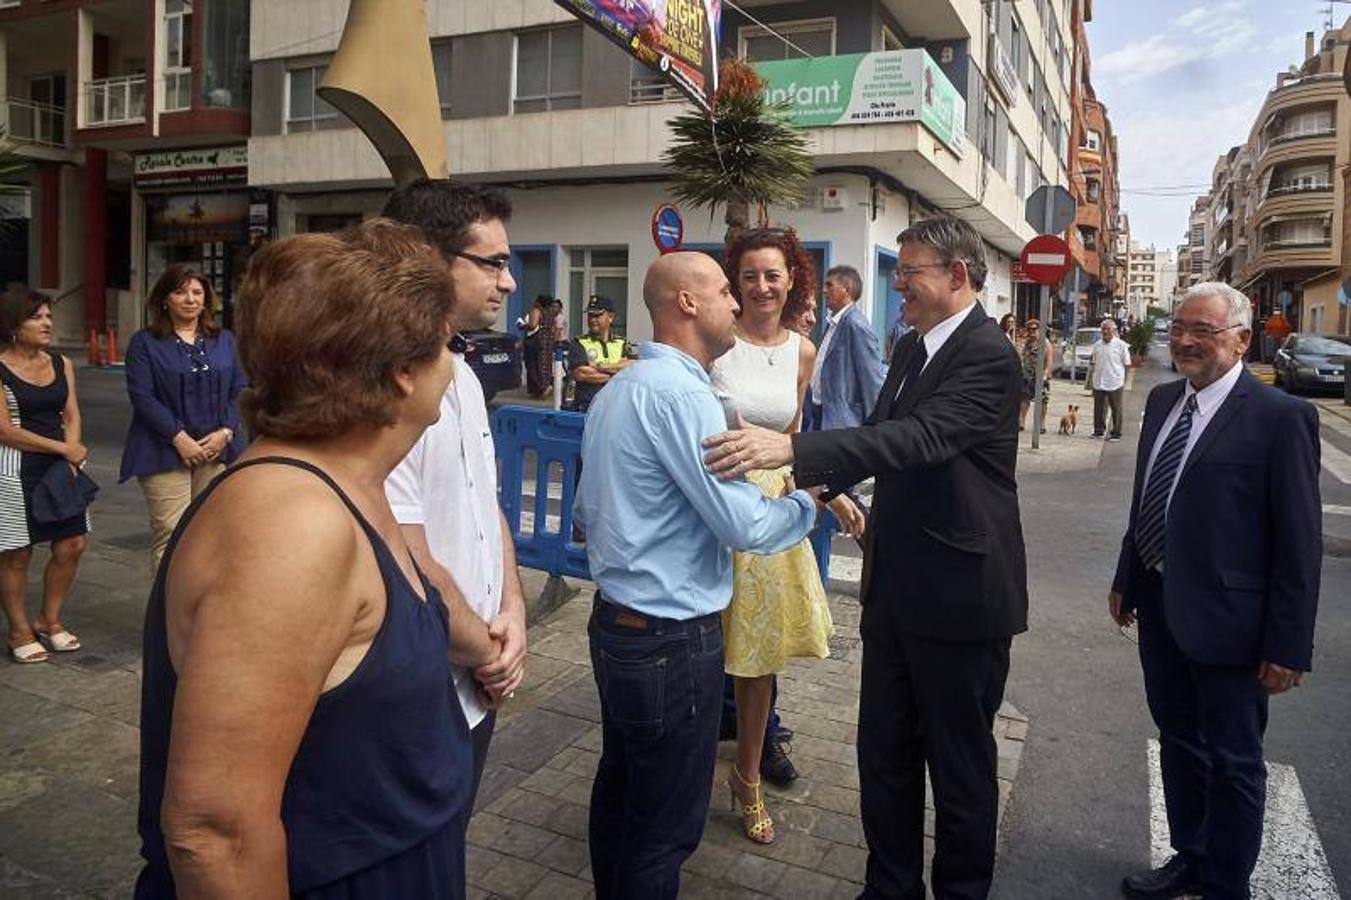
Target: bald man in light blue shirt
[(660, 535)]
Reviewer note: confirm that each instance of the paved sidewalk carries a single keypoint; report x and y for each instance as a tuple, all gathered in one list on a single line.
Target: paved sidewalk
[(528, 836)]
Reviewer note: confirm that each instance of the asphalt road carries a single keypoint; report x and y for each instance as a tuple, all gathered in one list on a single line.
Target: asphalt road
[(1080, 814)]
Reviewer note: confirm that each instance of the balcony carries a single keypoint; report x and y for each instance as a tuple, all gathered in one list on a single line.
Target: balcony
[(1322, 145), (115, 101), (652, 89), (1294, 203), (1287, 137), (40, 124)]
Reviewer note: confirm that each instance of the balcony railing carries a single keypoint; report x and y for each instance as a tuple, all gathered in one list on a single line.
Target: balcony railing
[(35, 123), (115, 101), (652, 89), (1288, 136), (1287, 189)]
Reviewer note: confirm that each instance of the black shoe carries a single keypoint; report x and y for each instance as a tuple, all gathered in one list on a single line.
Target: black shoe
[(775, 766), (1174, 878)]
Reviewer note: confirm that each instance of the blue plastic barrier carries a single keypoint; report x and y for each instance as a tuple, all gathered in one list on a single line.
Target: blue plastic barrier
[(555, 437)]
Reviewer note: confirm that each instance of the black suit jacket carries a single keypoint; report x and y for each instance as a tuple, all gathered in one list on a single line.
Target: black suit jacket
[(944, 545), (1244, 539)]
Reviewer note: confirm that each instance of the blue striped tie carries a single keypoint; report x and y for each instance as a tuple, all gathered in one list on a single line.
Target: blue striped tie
[(1150, 524)]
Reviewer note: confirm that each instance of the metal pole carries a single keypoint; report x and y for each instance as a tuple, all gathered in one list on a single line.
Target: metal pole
[(1039, 389)]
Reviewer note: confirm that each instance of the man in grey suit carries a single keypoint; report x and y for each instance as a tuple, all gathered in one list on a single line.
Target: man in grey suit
[(849, 370)]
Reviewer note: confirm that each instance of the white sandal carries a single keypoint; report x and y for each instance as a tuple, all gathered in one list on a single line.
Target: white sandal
[(31, 652), (58, 641)]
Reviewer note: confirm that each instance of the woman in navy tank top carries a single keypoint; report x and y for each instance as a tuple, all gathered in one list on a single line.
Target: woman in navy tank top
[(299, 732)]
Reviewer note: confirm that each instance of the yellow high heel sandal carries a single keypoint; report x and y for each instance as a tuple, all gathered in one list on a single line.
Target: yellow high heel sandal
[(756, 822)]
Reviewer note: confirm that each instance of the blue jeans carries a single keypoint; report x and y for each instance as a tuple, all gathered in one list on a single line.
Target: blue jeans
[(660, 683)]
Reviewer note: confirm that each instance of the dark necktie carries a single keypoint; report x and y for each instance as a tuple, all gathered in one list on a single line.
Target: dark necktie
[(918, 357), (1150, 524)]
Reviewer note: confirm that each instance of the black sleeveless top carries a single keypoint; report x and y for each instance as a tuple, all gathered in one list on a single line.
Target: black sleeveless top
[(41, 410), (376, 798)]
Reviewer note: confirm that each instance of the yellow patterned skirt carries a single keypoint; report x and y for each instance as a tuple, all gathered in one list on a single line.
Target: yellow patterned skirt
[(778, 607)]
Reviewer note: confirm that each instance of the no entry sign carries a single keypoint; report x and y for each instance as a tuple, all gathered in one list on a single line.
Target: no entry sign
[(1045, 259)]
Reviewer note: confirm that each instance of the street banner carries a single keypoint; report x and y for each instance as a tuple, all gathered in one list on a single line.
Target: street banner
[(869, 89), (677, 38)]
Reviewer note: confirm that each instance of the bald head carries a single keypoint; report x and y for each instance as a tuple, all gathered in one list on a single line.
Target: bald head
[(676, 272), (691, 305)]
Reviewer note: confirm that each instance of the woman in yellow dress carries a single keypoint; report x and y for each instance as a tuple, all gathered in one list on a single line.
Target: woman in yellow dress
[(778, 607)]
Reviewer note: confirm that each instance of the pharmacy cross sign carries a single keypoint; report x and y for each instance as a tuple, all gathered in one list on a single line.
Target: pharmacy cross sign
[(1045, 259)]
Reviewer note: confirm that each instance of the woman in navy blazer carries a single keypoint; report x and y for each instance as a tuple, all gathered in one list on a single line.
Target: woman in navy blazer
[(184, 381)]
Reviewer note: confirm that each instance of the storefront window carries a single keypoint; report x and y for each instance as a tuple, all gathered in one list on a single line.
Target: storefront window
[(206, 230), (225, 54)]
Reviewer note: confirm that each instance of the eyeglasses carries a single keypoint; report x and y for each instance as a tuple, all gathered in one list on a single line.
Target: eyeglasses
[(1201, 331), (912, 271), (498, 264)]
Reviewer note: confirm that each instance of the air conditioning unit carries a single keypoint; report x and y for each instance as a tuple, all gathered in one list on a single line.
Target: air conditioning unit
[(834, 197)]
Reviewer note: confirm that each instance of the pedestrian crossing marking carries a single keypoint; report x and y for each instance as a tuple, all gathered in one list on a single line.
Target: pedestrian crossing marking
[(1292, 862), (1334, 421), (1336, 461), (1332, 510)]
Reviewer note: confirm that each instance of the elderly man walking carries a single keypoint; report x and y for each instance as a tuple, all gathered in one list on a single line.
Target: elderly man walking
[(944, 574), (1220, 565), (660, 531), (1107, 374)]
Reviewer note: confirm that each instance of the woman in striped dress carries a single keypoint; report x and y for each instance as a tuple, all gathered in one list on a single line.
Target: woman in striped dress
[(41, 430)]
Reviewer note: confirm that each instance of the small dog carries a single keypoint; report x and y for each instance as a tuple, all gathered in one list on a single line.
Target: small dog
[(1069, 422)]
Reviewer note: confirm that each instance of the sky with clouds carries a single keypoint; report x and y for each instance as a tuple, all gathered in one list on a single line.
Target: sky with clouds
[(1182, 80)]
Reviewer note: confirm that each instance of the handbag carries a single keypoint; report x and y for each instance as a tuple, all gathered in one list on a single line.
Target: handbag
[(62, 493)]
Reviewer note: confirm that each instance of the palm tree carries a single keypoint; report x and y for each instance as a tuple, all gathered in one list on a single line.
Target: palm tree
[(744, 153)]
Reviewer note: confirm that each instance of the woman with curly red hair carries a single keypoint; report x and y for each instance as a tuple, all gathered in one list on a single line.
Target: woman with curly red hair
[(778, 607)]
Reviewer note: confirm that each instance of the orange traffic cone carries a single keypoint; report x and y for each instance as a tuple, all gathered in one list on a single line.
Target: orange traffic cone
[(112, 346), (95, 357)]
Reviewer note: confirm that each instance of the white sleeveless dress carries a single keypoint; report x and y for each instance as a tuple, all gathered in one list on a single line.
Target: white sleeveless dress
[(778, 607)]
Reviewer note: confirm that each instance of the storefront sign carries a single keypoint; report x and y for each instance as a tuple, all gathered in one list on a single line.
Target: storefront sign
[(668, 229), (869, 89), (678, 38), (193, 167), (1005, 76)]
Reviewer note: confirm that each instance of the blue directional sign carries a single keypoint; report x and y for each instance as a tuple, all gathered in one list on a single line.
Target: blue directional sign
[(668, 229)]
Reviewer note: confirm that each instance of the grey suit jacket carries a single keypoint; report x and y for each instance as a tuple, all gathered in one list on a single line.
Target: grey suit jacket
[(851, 372)]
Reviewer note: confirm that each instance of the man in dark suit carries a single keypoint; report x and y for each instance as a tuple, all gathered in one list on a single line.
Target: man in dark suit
[(1220, 563), (944, 576)]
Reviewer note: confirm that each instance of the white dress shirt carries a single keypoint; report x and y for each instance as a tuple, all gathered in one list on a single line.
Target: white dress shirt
[(1208, 402), (1110, 361), (937, 336), (448, 484), (831, 321)]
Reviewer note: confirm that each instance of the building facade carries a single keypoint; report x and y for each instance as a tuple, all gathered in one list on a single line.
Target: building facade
[(1093, 181), (1151, 280), (134, 117), (1277, 214), (559, 117)]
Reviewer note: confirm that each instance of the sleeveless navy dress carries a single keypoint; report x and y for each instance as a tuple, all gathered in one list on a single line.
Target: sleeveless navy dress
[(376, 801)]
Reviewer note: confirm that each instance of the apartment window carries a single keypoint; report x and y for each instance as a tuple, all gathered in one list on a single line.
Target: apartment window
[(549, 69), (603, 271), (1089, 236), (1298, 233), (987, 134), (1303, 178), (177, 54), (1092, 140), (1016, 50), (305, 109), (441, 66), (1305, 124), (1093, 190), (1020, 166), (815, 37)]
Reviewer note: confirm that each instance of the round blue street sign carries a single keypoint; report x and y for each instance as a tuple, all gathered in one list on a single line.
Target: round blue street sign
[(668, 229)]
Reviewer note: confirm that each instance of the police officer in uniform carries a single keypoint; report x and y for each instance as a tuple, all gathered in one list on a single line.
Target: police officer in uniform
[(597, 355)]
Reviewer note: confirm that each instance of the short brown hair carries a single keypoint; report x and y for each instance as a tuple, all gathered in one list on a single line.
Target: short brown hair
[(800, 267), (326, 321), (158, 321), (18, 305)]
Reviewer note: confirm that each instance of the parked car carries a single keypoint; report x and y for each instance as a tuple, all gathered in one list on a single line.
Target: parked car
[(1312, 362), (1084, 338), (495, 357)]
